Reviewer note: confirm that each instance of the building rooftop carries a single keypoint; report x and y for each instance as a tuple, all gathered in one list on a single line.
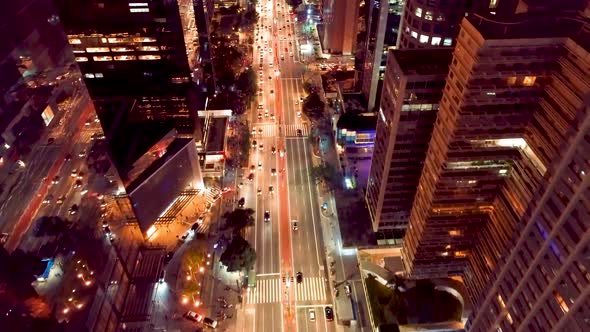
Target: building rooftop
[(360, 122), (423, 61), (178, 144), (216, 136), (527, 26)]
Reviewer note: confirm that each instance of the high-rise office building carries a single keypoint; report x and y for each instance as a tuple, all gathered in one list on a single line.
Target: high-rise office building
[(340, 26), (413, 87), (382, 33), (512, 104), (140, 53), (435, 23), (43, 110)]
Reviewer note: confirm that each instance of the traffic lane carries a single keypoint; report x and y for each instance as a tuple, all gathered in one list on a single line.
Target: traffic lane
[(268, 317), (308, 263), (308, 192), (269, 203), (319, 322)]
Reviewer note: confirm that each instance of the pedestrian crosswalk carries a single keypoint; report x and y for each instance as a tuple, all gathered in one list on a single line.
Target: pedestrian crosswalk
[(292, 130), (268, 130), (311, 289), (269, 290), (266, 291), (272, 130), (212, 193)]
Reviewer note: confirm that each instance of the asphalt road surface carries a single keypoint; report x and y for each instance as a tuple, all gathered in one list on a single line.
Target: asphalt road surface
[(279, 302)]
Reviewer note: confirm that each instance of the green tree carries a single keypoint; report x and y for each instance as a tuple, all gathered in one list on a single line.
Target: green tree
[(328, 175), (313, 106), (247, 84), (238, 219), (239, 255)]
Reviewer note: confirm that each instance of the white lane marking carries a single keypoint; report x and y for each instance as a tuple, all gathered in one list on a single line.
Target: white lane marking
[(313, 218), (267, 274)]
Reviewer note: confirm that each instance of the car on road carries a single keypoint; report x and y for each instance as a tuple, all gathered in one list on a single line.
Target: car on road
[(254, 144), (312, 315), (260, 165), (210, 322), (251, 177), (260, 131), (273, 150), (261, 147), (259, 116), (347, 290), (55, 179), (48, 199), (282, 153), (299, 277), (271, 189), (253, 130), (299, 132), (259, 192), (295, 225), (241, 202), (273, 171), (329, 313), (299, 114), (77, 184), (60, 200), (252, 169), (195, 317), (82, 153), (68, 157), (73, 209), (266, 216)]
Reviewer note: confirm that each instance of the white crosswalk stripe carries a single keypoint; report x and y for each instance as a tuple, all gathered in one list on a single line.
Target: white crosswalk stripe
[(266, 291), (291, 130), (268, 130), (311, 289)]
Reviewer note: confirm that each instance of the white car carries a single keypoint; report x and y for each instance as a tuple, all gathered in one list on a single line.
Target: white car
[(312, 315)]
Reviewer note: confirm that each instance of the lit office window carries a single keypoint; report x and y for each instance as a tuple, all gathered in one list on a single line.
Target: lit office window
[(98, 75), (138, 4), (149, 57), (118, 40), (81, 59), (418, 12), (74, 41), (97, 49), (149, 48), (424, 39), (511, 80), (493, 4), (440, 18), (125, 57), (447, 42), (435, 41), (122, 49), (89, 75), (103, 40), (414, 34), (139, 10), (428, 15), (529, 80), (102, 58), (143, 39)]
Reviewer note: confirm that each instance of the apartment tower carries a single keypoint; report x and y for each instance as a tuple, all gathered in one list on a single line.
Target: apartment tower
[(435, 23), (140, 54), (414, 82), (382, 34), (512, 103)]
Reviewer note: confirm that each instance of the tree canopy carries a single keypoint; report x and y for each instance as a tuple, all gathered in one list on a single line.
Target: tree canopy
[(238, 219), (313, 106), (328, 175), (239, 255)]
